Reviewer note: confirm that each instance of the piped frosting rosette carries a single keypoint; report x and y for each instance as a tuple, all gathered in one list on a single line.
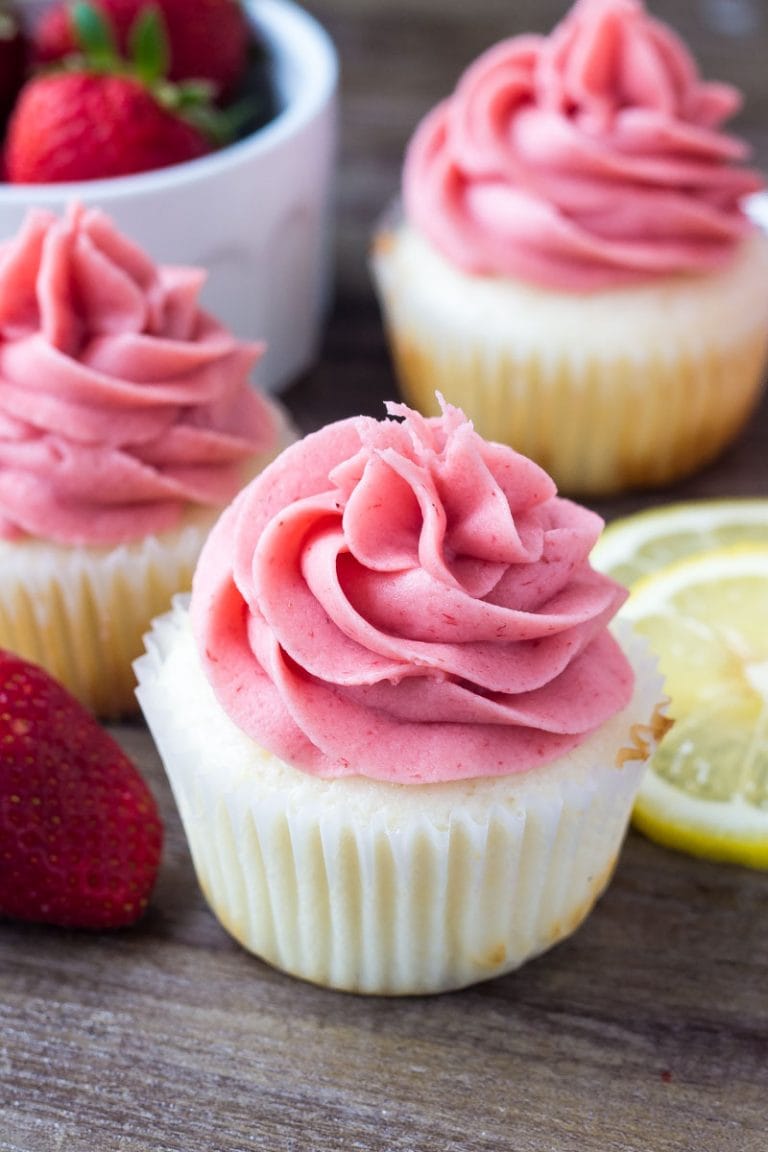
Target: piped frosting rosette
[(406, 601), (127, 422), (584, 160), (122, 403)]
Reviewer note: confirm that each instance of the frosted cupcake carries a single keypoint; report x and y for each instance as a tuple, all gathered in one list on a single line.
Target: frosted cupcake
[(573, 265), (402, 738), (127, 422)]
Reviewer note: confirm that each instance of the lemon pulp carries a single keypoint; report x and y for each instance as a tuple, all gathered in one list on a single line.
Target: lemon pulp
[(638, 545)]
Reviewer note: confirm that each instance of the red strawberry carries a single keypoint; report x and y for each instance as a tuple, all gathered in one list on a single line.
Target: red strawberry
[(13, 58), (86, 126), (104, 116), (80, 835), (208, 38)]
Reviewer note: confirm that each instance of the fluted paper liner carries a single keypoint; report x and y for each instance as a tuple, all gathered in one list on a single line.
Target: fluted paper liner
[(630, 389), (385, 888), (82, 612)]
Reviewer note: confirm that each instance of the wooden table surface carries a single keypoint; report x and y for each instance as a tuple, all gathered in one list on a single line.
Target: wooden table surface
[(647, 1031)]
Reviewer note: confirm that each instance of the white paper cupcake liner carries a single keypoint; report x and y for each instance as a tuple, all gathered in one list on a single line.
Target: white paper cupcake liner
[(381, 888), (609, 391), (81, 612)]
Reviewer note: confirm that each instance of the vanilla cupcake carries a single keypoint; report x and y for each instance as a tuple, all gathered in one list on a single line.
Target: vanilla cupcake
[(573, 264), (127, 422), (403, 740)]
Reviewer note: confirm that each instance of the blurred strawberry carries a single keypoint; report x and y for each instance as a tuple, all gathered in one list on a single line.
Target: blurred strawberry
[(81, 126), (80, 834), (104, 116), (208, 39), (13, 58)]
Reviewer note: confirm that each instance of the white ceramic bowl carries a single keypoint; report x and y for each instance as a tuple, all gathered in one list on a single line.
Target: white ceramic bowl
[(257, 215)]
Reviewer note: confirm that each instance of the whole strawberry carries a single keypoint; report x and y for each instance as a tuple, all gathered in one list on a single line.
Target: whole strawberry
[(80, 835), (83, 126), (13, 58), (103, 115), (208, 39)]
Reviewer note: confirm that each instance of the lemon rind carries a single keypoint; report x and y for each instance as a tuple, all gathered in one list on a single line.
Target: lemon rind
[(729, 832)]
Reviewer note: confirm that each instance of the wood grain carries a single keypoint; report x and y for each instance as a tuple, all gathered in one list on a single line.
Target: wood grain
[(647, 1031)]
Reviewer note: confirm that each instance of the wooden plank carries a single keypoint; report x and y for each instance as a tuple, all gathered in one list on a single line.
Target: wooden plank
[(648, 1029)]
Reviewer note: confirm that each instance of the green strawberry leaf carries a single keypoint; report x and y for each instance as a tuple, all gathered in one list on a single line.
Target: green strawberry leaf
[(148, 45), (220, 125), (190, 93), (93, 33), (192, 101)]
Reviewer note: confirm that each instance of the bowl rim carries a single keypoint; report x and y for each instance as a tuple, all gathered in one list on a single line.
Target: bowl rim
[(305, 68)]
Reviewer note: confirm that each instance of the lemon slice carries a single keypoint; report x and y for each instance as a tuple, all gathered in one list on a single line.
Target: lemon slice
[(706, 787), (640, 544)]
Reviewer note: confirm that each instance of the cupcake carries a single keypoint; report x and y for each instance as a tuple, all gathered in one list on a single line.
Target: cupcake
[(403, 739), (127, 423), (572, 262)]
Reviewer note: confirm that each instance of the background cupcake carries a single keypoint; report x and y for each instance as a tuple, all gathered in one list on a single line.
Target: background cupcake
[(127, 421), (403, 741), (574, 266)]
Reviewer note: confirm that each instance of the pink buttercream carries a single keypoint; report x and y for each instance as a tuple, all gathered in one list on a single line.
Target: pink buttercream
[(406, 601), (121, 402), (585, 160)]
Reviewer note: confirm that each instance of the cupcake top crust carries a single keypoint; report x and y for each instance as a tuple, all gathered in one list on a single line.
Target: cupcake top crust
[(403, 600), (584, 160), (121, 401)]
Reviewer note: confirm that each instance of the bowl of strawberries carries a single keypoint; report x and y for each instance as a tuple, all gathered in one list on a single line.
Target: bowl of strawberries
[(206, 129)]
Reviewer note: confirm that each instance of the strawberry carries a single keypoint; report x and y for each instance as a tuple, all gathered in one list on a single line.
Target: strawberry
[(83, 126), (80, 835), (104, 116), (208, 38), (13, 58)]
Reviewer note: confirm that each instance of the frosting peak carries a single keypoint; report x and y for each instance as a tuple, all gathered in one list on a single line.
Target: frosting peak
[(406, 601), (120, 400), (608, 55), (582, 160)]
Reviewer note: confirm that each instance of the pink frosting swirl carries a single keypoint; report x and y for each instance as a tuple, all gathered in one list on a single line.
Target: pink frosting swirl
[(405, 601), (585, 160), (121, 402)]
